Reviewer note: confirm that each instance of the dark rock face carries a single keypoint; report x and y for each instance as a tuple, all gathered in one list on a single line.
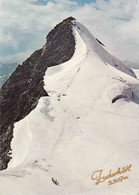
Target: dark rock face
[(20, 93), (100, 42)]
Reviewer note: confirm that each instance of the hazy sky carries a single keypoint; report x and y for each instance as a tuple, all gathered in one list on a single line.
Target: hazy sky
[(24, 24)]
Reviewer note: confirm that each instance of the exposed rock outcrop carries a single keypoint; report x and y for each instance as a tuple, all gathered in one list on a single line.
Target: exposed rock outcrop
[(20, 93)]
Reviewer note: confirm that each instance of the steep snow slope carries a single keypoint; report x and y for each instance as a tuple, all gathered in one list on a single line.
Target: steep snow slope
[(77, 130)]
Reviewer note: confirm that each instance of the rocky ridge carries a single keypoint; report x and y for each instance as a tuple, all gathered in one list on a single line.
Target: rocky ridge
[(19, 95)]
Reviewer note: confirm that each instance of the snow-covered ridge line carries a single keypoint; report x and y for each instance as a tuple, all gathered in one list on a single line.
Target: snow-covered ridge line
[(62, 79), (78, 129), (53, 87), (94, 46)]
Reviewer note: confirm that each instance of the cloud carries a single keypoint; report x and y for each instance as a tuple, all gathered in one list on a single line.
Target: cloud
[(15, 58), (25, 24)]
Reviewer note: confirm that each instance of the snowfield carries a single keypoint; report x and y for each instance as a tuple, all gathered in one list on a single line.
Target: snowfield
[(89, 122)]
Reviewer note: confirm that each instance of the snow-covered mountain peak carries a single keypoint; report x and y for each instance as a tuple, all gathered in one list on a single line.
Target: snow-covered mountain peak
[(97, 68), (88, 121)]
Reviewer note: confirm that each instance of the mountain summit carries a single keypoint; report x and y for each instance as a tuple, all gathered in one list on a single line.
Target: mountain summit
[(72, 109)]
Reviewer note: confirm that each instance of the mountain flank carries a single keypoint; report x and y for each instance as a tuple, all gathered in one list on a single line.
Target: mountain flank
[(19, 95)]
